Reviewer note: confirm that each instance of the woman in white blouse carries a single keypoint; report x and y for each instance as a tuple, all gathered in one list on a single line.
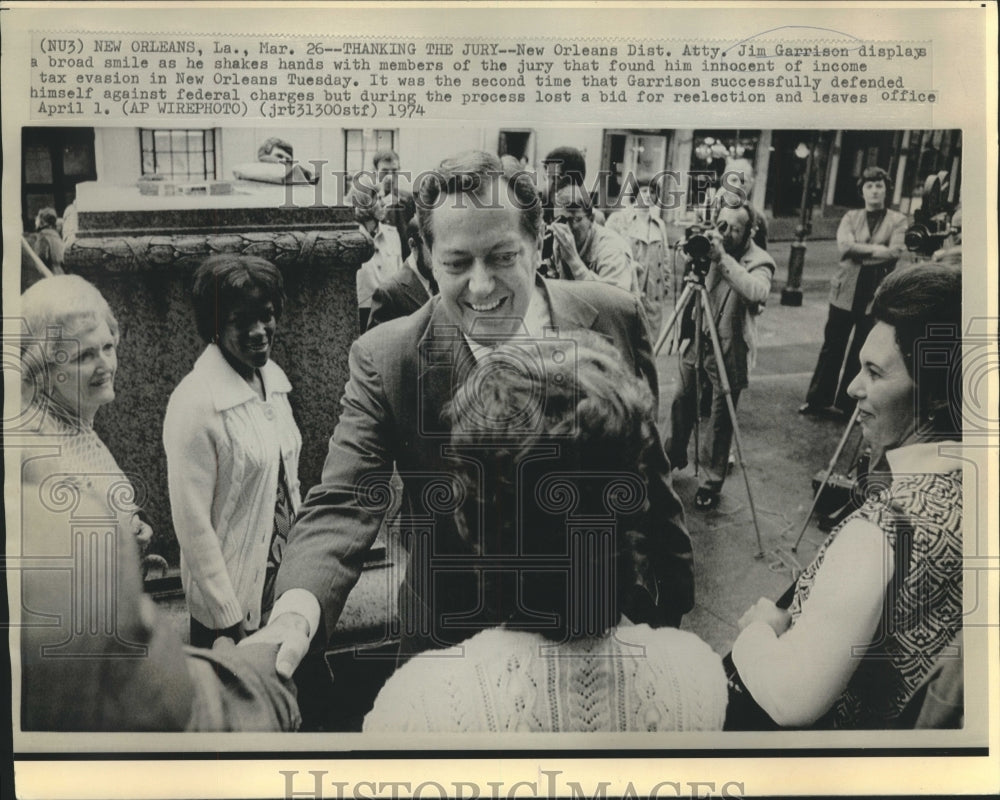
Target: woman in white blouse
[(883, 597), (232, 451)]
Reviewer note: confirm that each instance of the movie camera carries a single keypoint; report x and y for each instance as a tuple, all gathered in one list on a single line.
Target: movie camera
[(698, 248), (932, 222), (546, 267)]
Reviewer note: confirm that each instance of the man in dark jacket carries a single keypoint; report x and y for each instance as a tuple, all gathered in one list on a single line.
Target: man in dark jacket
[(483, 229), (409, 288)]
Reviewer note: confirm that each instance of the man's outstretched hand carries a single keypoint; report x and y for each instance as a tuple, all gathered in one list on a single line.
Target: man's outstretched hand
[(291, 632)]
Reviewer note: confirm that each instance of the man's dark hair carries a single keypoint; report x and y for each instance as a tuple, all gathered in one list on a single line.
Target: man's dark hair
[(268, 145), (873, 175), (542, 441), (477, 174), (573, 165), (223, 281), (923, 304), (382, 155), (574, 198)]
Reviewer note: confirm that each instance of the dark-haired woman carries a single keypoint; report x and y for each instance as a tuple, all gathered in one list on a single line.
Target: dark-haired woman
[(550, 444), (870, 241), (232, 451), (883, 597)]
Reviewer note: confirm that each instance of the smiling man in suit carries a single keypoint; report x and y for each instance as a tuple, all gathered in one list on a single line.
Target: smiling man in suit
[(483, 229)]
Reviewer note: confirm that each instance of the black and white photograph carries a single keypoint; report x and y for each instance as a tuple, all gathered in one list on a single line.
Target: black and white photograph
[(489, 400)]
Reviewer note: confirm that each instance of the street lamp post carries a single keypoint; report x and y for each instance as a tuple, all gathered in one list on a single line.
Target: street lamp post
[(791, 295)]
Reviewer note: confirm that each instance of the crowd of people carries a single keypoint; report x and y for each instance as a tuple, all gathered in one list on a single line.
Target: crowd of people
[(559, 566)]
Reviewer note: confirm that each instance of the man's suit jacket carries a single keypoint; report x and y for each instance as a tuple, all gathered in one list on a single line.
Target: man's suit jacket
[(400, 296), (401, 376)]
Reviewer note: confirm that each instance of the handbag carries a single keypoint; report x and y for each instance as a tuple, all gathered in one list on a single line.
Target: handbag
[(743, 713)]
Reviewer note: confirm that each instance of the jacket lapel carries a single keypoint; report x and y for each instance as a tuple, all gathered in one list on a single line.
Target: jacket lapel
[(412, 287), (444, 361)]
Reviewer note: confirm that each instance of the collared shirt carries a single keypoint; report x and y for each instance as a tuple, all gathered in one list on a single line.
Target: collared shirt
[(632, 224), (537, 318), (388, 259), (608, 258)]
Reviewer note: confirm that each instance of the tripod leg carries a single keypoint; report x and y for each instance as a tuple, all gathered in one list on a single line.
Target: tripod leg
[(696, 344), (843, 364), (727, 392), (679, 307)]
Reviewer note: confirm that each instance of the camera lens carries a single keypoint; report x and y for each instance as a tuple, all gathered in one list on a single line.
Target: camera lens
[(915, 237), (697, 246)]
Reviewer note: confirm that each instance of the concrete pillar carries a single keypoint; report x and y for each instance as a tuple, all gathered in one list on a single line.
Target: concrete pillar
[(680, 162), (142, 263), (761, 167), (904, 146), (832, 170)]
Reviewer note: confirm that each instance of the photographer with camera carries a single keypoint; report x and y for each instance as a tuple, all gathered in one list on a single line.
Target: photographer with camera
[(737, 277), (585, 251)]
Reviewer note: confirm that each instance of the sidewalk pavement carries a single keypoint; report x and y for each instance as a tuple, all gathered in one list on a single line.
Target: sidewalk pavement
[(782, 450)]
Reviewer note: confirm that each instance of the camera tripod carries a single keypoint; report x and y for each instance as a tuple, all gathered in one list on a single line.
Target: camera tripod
[(694, 283)]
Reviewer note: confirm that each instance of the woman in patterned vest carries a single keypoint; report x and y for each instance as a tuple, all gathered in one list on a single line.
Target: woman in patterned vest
[(883, 598)]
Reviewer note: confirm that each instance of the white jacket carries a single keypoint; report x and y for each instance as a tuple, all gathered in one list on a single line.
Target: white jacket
[(223, 446)]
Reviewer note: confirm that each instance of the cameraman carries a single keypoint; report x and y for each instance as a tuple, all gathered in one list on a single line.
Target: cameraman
[(586, 251), (737, 275)]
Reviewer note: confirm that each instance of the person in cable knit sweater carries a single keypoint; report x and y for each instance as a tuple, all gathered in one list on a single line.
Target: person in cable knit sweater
[(232, 451), (547, 437)]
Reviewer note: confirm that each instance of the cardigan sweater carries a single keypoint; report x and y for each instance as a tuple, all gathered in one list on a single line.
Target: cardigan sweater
[(634, 679), (224, 445), (849, 290)]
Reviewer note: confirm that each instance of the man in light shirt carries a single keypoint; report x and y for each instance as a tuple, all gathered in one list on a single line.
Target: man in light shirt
[(483, 230), (387, 258), (643, 228), (586, 251), (410, 288)]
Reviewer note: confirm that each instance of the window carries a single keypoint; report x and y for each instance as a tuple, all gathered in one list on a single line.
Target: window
[(520, 143), (53, 162), (360, 145), (636, 153), (710, 153), (180, 154)]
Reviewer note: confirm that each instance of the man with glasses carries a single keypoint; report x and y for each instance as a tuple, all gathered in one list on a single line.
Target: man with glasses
[(738, 283)]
